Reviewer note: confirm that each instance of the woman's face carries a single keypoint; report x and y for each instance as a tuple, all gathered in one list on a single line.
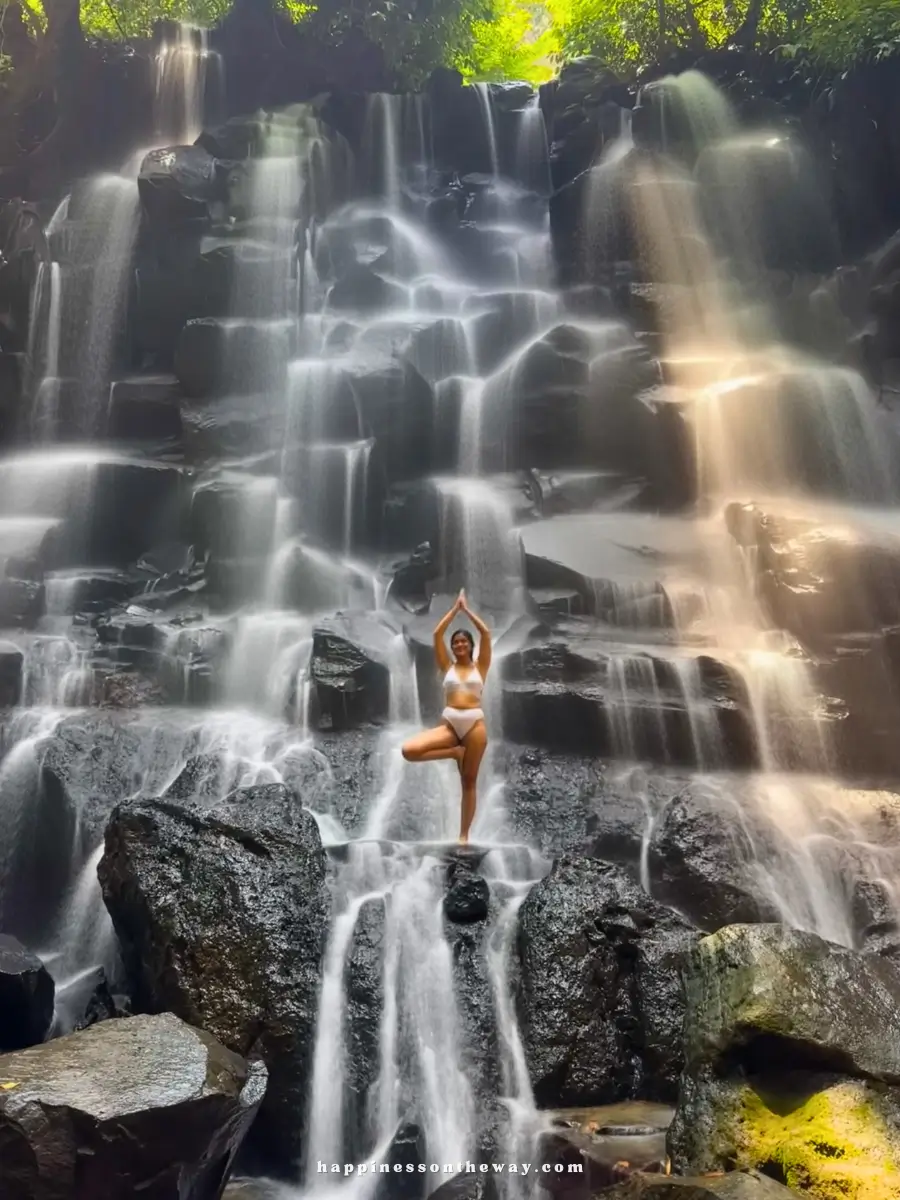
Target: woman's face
[(461, 647)]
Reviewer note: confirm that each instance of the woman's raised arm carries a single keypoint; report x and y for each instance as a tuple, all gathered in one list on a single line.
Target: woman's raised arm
[(485, 647), (441, 653)]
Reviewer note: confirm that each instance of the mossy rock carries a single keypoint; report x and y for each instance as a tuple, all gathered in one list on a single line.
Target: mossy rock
[(795, 1000), (829, 1137)]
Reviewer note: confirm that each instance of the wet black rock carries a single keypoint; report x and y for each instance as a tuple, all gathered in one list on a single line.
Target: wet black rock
[(467, 1186), (470, 944), (405, 1157), (26, 996), (12, 369), (699, 858), (364, 996), (592, 224), (222, 917), (88, 764), (145, 409), (362, 290), (234, 277), (600, 1003), (131, 629), (135, 504), (178, 183), (192, 671), (396, 407), (350, 669), (566, 693), (38, 862), (102, 1003), (201, 780), (21, 602), (411, 577), (216, 357), (467, 897), (147, 1106), (11, 662)]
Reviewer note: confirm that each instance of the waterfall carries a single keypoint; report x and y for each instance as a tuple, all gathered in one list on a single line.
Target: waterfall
[(189, 85), (384, 394), (771, 424), (383, 139), (486, 104)]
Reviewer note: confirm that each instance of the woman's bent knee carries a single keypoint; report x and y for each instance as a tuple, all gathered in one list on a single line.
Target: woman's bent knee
[(408, 751)]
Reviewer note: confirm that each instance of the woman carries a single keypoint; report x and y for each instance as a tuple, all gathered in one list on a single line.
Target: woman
[(462, 734)]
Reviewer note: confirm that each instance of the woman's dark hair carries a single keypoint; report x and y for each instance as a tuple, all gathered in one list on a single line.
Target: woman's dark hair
[(463, 633)]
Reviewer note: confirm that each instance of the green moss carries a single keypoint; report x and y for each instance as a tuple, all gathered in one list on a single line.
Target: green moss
[(833, 1144)]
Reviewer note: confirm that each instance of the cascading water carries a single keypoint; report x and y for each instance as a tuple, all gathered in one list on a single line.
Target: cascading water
[(787, 433), (189, 85), (383, 385)]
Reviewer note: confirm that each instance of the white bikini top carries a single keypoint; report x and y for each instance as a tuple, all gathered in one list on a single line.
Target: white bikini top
[(453, 683)]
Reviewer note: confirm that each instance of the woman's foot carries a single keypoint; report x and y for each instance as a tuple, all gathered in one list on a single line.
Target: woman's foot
[(462, 840), (459, 755)]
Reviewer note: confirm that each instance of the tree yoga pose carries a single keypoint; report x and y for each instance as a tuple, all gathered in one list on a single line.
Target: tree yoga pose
[(462, 734)]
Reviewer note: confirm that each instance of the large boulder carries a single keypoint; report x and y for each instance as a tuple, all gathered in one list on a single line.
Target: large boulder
[(222, 916), (350, 669), (791, 1063), (698, 861), (26, 996), (178, 182), (146, 1106), (752, 983), (242, 277), (600, 1004)]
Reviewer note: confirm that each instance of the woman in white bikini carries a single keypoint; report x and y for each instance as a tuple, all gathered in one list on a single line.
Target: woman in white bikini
[(462, 734)]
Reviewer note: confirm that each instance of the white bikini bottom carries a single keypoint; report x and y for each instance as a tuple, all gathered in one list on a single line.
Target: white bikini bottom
[(462, 720)]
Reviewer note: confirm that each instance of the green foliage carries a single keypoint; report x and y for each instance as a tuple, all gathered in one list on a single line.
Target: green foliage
[(629, 34), (135, 18), (515, 41), (840, 32), (526, 39)]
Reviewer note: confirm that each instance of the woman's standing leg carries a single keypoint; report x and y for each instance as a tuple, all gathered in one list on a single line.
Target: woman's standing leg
[(474, 746)]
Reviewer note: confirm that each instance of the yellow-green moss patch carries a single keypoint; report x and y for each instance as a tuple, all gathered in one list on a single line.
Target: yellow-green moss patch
[(832, 1145)]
